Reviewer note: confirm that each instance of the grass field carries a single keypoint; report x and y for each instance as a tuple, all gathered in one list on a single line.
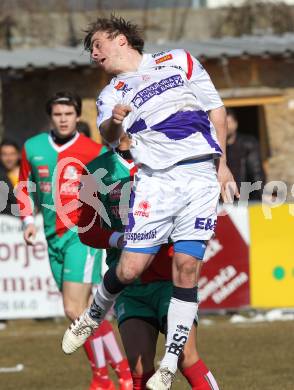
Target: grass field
[(242, 357)]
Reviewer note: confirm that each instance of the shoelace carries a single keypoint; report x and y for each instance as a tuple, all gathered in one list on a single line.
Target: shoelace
[(79, 329), (166, 376)]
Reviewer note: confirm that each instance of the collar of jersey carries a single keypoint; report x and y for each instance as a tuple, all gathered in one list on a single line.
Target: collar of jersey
[(125, 162), (65, 146), (141, 66)]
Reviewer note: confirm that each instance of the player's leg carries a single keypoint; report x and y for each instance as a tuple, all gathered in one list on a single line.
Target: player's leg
[(114, 356), (82, 269), (137, 321), (75, 298), (193, 225), (143, 239), (183, 306), (96, 356), (130, 266), (140, 353), (193, 368)]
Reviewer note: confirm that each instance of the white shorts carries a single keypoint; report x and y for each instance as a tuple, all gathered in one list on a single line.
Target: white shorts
[(178, 203)]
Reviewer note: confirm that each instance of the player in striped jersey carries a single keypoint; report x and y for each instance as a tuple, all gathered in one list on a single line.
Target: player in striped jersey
[(52, 162)]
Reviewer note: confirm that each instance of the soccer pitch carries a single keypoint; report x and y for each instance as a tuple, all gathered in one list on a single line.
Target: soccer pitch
[(242, 356)]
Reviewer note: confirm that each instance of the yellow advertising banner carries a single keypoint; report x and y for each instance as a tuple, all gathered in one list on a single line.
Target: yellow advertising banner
[(271, 256)]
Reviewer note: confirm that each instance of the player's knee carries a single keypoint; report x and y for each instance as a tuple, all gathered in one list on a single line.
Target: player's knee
[(72, 311), (187, 268), (140, 365), (127, 273)]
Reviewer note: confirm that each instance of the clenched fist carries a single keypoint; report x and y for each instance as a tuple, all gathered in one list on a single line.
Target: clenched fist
[(119, 112)]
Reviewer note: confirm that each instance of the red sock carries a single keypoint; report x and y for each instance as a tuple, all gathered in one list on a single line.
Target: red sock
[(100, 374), (105, 327), (199, 377), (101, 378), (139, 381), (122, 369)]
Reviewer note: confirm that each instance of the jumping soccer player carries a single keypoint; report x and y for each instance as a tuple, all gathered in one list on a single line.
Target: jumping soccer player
[(168, 105), (141, 308), (53, 163)]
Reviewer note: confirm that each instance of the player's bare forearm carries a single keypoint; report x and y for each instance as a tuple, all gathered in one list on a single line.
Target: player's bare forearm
[(229, 188), (111, 129), (218, 117)]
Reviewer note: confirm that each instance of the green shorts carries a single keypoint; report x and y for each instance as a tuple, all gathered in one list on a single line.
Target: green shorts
[(148, 302), (72, 261)]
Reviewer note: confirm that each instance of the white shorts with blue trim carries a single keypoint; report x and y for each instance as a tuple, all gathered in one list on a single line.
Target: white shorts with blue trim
[(178, 203)]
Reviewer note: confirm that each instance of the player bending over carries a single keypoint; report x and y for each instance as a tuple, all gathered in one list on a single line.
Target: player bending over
[(53, 161)]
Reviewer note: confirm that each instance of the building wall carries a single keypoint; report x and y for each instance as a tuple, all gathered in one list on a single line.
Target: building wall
[(280, 125), (25, 96)]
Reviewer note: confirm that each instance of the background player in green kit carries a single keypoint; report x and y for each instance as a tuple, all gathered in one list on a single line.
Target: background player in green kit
[(53, 162), (142, 307)]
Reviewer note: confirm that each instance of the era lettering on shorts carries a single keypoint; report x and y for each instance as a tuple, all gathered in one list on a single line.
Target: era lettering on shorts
[(205, 223)]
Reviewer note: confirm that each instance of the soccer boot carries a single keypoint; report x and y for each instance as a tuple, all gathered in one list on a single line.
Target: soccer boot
[(161, 380), (78, 332)]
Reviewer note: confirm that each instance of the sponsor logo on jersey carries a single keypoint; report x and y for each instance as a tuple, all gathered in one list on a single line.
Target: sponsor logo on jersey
[(141, 236), (144, 209), (161, 53), (121, 86), (70, 173), (38, 158), (69, 189), (164, 58), (43, 170), (205, 223), (45, 186), (157, 89)]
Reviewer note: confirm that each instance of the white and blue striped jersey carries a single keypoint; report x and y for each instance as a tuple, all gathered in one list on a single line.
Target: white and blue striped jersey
[(170, 95)]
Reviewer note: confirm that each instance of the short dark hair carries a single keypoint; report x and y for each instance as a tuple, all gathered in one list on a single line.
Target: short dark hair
[(8, 142), (231, 112), (67, 98), (115, 26)]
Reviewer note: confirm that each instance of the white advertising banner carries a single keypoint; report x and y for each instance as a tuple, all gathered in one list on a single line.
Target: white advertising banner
[(27, 287)]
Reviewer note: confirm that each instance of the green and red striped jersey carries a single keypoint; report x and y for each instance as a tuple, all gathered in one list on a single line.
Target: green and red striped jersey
[(53, 172)]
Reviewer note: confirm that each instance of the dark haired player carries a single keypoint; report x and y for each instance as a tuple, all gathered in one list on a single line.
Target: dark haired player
[(168, 105), (53, 161)]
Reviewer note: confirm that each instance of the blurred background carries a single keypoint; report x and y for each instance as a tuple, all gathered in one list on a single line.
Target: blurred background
[(247, 47)]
